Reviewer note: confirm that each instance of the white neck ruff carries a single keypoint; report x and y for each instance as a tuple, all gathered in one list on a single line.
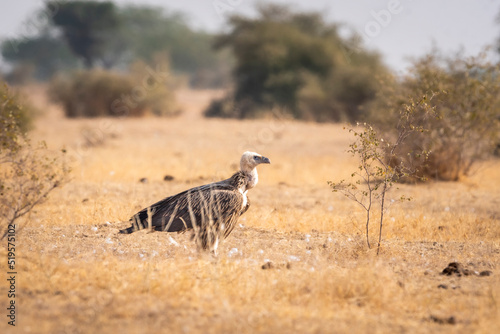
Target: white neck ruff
[(253, 178)]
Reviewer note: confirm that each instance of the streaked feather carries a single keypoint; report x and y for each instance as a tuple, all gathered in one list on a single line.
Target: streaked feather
[(206, 207)]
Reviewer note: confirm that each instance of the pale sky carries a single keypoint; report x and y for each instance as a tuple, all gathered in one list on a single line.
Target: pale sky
[(398, 29)]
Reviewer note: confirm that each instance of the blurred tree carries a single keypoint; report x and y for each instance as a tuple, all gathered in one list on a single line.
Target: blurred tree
[(43, 55), (88, 27), (102, 34), (298, 62), (149, 31)]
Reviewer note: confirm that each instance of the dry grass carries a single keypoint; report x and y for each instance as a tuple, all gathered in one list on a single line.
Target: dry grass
[(77, 275)]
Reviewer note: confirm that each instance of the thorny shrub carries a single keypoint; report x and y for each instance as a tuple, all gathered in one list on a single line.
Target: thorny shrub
[(28, 173), (380, 163), (467, 104)]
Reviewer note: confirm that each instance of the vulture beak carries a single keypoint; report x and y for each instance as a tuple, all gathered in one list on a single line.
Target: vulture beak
[(265, 160)]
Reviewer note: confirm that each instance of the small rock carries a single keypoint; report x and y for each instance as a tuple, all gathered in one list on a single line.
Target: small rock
[(442, 286), (143, 180), (453, 268), (233, 252), (168, 178), (267, 265), (444, 320), (270, 265), (172, 241), (85, 200)]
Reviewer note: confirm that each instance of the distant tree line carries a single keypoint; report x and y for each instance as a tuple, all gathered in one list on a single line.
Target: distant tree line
[(88, 34), (296, 62)]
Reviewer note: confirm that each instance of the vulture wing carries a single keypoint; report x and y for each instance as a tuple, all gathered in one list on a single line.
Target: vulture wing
[(216, 204)]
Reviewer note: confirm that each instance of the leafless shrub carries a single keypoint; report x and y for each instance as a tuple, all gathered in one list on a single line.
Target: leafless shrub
[(28, 173), (381, 163)]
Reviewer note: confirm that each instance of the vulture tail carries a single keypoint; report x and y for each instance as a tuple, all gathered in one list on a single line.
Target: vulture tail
[(128, 230), (138, 224)]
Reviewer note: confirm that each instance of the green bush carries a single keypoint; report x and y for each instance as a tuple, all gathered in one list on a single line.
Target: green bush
[(298, 63), (466, 99), (104, 93)]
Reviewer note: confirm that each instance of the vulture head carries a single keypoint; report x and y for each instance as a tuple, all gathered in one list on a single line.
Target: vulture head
[(248, 164), (250, 160)]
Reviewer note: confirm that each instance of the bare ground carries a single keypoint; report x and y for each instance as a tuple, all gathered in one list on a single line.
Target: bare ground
[(298, 261)]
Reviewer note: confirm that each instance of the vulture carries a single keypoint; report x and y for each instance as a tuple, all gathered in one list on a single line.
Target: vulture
[(211, 210)]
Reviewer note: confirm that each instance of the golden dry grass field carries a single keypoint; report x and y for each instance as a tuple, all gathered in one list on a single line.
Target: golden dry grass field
[(77, 275)]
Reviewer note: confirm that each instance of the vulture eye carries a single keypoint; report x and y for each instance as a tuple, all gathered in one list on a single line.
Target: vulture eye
[(256, 157)]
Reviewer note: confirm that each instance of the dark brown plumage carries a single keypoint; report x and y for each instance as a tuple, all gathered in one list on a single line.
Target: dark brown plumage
[(211, 210)]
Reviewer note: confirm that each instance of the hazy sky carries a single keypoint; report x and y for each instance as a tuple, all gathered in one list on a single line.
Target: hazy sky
[(397, 28)]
